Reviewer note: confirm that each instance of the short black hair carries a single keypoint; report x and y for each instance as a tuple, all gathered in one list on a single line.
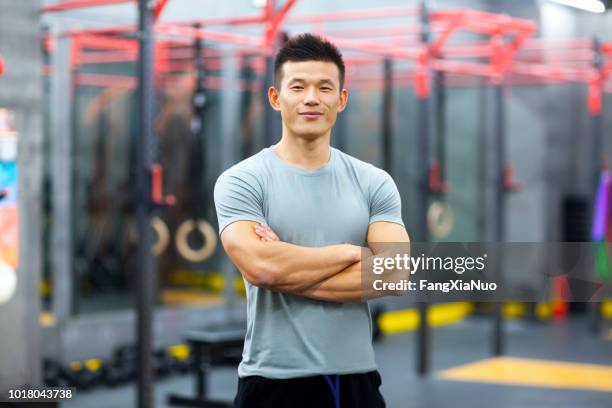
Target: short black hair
[(307, 47)]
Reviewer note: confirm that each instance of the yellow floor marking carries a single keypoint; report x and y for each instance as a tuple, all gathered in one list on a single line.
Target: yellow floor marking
[(190, 297), (606, 309), (534, 373), (204, 279), (438, 315), (514, 310)]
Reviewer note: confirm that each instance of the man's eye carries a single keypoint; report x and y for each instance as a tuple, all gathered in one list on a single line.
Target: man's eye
[(325, 88), (297, 88)]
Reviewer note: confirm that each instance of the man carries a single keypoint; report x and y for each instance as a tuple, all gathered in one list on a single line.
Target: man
[(294, 218)]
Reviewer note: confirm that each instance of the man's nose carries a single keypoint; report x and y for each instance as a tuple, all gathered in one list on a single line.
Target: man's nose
[(311, 97)]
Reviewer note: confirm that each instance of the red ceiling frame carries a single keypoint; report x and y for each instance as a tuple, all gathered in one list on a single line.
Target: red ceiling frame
[(77, 4), (519, 56), (158, 9), (574, 65), (275, 20)]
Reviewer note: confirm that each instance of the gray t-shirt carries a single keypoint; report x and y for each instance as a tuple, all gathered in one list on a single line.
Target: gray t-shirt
[(288, 335)]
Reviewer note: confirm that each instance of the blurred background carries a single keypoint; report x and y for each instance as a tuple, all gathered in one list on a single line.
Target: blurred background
[(492, 116)]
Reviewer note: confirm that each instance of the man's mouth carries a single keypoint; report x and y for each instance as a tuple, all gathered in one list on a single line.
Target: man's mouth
[(311, 115)]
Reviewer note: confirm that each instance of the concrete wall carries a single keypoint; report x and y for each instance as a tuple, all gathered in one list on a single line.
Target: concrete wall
[(21, 90)]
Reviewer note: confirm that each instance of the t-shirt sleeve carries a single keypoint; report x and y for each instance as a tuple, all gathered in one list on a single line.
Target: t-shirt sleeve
[(385, 201), (238, 197)]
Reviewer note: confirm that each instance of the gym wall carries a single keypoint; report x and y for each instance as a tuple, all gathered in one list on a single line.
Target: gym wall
[(21, 92)]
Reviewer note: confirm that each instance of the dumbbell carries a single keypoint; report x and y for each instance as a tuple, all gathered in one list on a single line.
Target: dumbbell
[(122, 366), (164, 363), (53, 374), (84, 375), (182, 358)]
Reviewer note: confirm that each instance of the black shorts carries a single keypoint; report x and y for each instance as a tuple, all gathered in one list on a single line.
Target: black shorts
[(355, 391)]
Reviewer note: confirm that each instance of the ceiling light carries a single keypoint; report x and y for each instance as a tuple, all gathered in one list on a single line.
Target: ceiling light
[(594, 6)]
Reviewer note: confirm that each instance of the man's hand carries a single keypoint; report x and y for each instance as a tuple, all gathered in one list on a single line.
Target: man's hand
[(265, 233)]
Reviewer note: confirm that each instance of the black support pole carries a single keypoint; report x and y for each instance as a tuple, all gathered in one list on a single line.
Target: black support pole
[(272, 120), (421, 233), (246, 131), (146, 263), (270, 126), (387, 116), (198, 165), (440, 112), (499, 209)]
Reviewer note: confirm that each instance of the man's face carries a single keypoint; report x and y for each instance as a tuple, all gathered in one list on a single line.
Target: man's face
[(309, 97)]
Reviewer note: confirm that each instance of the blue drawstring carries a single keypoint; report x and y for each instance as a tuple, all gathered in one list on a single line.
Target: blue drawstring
[(334, 389)]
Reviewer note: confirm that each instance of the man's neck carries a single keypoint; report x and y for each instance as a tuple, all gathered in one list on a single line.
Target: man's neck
[(306, 154)]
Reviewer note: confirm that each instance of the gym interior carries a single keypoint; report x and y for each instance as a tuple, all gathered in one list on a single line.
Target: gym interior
[(118, 116)]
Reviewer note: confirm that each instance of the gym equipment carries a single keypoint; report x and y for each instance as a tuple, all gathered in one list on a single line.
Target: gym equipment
[(145, 202), (101, 242), (440, 218), (84, 375), (595, 100), (163, 236), (122, 366), (164, 363), (422, 92), (182, 358), (200, 199), (601, 239), (53, 374), (215, 345)]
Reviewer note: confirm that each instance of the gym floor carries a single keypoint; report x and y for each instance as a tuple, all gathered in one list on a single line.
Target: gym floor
[(561, 365)]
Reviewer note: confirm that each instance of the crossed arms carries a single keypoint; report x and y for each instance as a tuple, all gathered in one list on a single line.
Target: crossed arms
[(331, 273)]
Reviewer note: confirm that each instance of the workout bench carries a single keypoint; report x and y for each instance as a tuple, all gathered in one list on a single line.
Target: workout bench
[(214, 345)]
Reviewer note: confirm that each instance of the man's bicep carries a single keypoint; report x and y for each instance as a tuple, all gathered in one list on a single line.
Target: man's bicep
[(388, 240), (240, 243), (383, 231)]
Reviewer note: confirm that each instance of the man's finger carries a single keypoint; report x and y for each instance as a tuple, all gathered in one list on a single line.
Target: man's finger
[(264, 235), (271, 233)]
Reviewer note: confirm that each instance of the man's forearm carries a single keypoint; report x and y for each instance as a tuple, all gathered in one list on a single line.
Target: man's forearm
[(348, 285), (345, 286), (293, 268)]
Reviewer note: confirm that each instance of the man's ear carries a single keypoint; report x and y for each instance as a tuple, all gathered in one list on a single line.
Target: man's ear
[(273, 97), (343, 100)]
